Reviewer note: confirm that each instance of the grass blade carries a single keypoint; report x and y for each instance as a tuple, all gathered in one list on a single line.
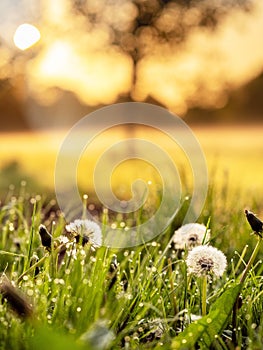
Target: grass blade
[(211, 325)]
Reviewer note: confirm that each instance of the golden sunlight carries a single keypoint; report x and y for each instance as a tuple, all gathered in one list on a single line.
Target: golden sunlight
[(95, 77), (26, 35)]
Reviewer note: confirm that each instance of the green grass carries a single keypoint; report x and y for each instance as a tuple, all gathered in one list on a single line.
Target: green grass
[(146, 301)]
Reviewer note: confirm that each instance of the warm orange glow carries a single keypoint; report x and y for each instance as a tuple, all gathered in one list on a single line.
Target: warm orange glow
[(99, 53), (94, 77), (39, 151), (199, 71), (26, 35)]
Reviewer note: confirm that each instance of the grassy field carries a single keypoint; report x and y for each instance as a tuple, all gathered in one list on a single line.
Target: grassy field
[(232, 152), (74, 296)]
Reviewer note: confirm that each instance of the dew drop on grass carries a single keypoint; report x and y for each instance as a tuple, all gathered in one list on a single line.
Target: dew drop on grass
[(30, 292), (68, 302), (129, 296), (11, 227), (39, 282), (43, 298)]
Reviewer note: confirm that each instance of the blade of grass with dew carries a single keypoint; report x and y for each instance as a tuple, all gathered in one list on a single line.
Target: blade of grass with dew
[(31, 238), (211, 325)]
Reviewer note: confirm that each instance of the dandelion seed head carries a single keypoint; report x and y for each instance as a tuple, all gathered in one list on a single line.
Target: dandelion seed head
[(206, 260), (88, 230), (190, 235)]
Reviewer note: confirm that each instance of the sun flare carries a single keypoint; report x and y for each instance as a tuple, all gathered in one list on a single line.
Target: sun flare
[(26, 35)]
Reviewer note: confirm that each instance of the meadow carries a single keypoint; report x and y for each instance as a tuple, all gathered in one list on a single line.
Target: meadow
[(58, 292), (232, 151)]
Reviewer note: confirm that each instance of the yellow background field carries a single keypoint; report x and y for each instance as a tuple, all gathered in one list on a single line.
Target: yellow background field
[(233, 154)]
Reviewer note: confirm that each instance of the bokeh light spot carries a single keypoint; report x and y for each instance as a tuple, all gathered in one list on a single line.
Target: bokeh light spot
[(26, 35)]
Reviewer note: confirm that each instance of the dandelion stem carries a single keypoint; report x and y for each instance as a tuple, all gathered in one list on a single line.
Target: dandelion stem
[(204, 290), (31, 238), (241, 281), (84, 206), (174, 302), (251, 260), (241, 259)]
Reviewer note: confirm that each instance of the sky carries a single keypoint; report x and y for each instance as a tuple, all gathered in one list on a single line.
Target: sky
[(181, 54)]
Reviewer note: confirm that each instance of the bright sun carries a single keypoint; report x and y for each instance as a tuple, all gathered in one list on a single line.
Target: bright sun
[(26, 35)]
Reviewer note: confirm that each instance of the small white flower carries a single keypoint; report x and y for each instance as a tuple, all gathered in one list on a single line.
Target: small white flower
[(190, 235), (194, 317), (206, 260), (63, 239), (88, 230)]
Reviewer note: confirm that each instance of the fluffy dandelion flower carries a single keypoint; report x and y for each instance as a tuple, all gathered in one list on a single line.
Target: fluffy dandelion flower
[(206, 260), (87, 231), (190, 235)]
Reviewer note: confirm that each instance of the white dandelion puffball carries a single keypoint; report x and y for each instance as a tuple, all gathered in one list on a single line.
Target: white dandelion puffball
[(86, 229), (190, 235), (206, 260)]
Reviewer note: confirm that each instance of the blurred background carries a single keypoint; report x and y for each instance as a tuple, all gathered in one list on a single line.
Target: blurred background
[(200, 59)]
